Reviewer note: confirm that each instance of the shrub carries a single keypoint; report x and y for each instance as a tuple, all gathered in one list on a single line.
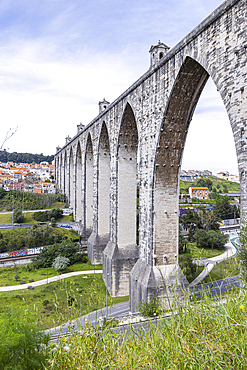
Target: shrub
[(45, 303), (53, 222), (151, 307), (60, 263), (55, 213), (66, 249)]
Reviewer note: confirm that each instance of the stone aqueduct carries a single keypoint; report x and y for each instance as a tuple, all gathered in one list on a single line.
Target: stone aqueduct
[(142, 133)]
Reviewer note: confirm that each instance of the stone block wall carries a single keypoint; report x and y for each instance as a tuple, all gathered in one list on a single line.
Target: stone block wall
[(144, 133)]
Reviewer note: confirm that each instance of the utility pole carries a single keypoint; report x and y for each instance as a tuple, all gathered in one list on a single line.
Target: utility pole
[(13, 206)]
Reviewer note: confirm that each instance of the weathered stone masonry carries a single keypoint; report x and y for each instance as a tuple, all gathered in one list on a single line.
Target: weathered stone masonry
[(97, 169)]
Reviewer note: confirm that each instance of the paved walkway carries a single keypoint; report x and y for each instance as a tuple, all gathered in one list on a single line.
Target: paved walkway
[(49, 280), (210, 262)]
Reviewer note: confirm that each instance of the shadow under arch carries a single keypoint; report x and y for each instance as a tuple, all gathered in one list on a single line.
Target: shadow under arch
[(184, 97), (101, 229), (65, 176), (88, 201), (122, 251)]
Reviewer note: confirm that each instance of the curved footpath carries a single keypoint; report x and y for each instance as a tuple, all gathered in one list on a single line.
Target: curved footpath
[(210, 262), (49, 280)]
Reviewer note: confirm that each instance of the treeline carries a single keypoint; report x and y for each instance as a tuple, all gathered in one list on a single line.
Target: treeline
[(16, 239), (66, 249), (24, 157), (31, 201), (55, 213)]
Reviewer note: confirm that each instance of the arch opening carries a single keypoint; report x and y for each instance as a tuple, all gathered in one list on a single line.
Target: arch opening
[(71, 180), (78, 184), (89, 187), (183, 99), (104, 186), (66, 176), (127, 180)]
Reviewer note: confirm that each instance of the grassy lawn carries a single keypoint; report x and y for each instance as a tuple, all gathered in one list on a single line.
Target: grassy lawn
[(7, 274), (197, 252), (6, 218), (50, 305)]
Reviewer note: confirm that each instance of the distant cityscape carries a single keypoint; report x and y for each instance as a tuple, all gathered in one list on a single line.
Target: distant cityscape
[(39, 178), (191, 175), (34, 178)]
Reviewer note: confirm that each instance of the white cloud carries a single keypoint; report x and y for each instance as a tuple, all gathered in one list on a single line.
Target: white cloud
[(59, 58)]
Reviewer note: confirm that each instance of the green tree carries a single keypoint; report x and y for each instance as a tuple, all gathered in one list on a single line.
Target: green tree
[(209, 220), (224, 210), (225, 188), (66, 249), (201, 238), (191, 219), (188, 267), (190, 236), (25, 157), (216, 239), (2, 192), (211, 239), (18, 215), (55, 213), (182, 243), (205, 183)]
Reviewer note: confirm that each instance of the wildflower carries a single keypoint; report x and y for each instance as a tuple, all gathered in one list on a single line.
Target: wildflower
[(241, 307)]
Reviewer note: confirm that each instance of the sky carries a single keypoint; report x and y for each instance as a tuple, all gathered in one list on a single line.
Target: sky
[(59, 58)]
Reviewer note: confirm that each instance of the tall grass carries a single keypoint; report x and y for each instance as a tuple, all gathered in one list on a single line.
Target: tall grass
[(56, 303), (201, 335)]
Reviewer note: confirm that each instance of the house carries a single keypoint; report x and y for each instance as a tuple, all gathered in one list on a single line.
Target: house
[(223, 175), (198, 192), (234, 178)]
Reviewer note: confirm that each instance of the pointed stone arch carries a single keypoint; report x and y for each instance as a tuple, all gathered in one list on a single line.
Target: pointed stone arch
[(101, 232), (78, 183), (89, 175), (65, 176), (122, 251), (147, 276), (127, 179), (71, 179), (186, 91)]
